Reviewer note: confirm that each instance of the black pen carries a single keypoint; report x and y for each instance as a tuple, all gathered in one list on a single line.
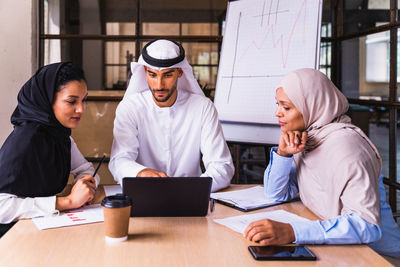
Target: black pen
[(98, 166), (212, 204)]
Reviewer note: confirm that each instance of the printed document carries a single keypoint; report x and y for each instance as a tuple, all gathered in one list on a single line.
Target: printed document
[(240, 223), (249, 198), (87, 214)]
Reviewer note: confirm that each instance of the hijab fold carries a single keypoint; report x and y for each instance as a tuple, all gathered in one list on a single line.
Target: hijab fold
[(35, 159), (339, 169)]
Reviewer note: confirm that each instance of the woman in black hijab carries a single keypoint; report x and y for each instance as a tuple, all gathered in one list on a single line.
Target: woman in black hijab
[(35, 160)]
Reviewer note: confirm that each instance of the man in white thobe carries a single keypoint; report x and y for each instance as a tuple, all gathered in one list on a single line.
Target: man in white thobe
[(164, 122)]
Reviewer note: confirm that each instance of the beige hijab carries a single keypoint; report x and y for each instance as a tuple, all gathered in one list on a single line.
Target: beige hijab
[(338, 172)]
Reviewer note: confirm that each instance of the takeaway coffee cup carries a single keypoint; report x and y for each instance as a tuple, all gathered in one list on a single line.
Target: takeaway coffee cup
[(117, 209)]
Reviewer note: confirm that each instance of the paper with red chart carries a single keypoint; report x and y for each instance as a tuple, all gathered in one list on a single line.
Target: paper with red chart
[(84, 215)]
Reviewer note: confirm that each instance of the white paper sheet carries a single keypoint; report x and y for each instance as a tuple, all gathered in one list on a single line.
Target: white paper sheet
[(239, 223), (110, 190), (252, 197), (87, 214)]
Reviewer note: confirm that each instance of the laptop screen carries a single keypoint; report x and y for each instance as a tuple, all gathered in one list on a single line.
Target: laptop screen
[(168, 197)]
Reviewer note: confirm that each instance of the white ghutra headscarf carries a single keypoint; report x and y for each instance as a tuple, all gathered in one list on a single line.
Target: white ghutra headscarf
[(162, 54)]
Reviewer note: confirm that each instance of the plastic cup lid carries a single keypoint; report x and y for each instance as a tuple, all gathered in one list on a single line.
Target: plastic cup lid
[(116, 201)]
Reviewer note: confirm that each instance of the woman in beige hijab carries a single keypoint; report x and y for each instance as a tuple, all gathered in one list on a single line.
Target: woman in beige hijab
[(331, 164)]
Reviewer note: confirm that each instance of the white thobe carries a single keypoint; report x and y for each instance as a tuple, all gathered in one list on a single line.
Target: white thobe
[(13, 208), (170, 139)]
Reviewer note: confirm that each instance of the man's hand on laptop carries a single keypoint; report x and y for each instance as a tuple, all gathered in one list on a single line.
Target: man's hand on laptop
[(151, 173)]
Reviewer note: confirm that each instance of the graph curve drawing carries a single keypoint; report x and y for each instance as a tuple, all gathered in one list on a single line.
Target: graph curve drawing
[(263, 41)]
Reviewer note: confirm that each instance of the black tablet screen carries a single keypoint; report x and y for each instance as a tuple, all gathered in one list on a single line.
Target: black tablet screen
[(281, 253)]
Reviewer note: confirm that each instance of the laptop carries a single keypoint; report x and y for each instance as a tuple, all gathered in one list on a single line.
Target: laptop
[(168, 197)]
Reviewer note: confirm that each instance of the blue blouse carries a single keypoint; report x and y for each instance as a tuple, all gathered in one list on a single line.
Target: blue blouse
[(280, 184)]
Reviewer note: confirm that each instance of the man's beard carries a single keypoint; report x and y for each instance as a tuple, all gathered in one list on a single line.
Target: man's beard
[(167, 97)]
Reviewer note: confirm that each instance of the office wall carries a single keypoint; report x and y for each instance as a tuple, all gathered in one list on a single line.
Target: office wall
[(17, 53)]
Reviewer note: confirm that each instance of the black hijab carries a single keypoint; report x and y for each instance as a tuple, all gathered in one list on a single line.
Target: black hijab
[(35, 160)]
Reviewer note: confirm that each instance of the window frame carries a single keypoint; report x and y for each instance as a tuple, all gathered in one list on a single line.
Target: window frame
[(392, 104)]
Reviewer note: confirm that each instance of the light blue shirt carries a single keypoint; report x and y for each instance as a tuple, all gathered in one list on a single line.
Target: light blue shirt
[(280, 185)]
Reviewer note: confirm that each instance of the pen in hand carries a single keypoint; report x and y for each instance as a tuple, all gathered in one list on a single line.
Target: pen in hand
[(98, 166), (94, 174)]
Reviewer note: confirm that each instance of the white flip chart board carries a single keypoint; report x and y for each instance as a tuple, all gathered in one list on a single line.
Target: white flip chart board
[(263, 41)]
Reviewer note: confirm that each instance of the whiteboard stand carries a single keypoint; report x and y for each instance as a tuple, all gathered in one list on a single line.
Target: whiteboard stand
[(239, 162), (237, 135), (251, 133), (263, 40)]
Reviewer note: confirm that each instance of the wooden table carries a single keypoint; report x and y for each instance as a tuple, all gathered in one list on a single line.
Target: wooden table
[(179, 241)]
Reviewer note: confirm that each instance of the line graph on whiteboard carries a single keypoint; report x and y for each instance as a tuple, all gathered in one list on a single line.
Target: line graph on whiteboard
[(263, 41)]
